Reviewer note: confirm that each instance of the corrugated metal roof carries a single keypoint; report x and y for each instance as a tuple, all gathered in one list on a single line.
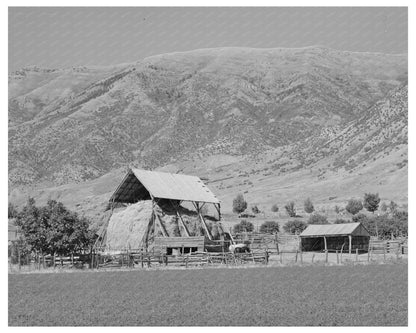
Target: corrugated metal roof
[(163, 185), (335, 230)]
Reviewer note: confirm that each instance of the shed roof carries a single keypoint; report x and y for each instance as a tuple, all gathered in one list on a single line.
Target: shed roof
[(343, 229), (138, 184)]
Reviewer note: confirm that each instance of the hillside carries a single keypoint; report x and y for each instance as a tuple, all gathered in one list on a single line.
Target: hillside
[(267, 122)]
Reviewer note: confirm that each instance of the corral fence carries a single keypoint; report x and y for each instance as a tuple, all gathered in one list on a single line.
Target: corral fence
[(264, 249)]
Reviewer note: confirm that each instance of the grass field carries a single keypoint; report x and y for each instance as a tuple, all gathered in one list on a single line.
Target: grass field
[(374, 295)]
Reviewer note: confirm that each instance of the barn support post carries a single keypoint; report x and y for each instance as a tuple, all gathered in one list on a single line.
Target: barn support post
[(218, 208), (349, 244), (180, 219), (356, 254), (325, 244), (198, 210)]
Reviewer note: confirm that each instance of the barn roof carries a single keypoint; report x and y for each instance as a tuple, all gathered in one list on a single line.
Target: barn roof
[(343, 229), (143, 184)]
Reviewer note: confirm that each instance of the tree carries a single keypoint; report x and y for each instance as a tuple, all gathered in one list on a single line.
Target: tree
[(53, 228), (269, 227), (255, 209), (337, 209), (275, 208), (290, 209), (239, 204), (294, 227), (308, 206), (318, 219), (341, 221), (371, 201), (354, 206), (243, 226)]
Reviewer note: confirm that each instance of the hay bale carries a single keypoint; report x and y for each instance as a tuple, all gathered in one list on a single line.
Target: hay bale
[(127, 226)]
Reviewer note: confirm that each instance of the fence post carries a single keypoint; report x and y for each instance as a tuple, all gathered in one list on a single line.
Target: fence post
[(313, 256), (384, 252), (356, 254), (18, 258), (337, 257), (301, 257), (281, 257), (326, 256), (266, 254), (368, 255)]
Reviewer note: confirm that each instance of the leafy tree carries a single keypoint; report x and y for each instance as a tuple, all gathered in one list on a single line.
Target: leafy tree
[(12, 211), (239, 204), (385, 227), (318, 219), (371, 201), (243, 226), (269, 227), (255, 209), (294, 227), (53, 228), (275, 208), (360, 218), (354, 206), (341, 221), (290, 209), (308, 206)]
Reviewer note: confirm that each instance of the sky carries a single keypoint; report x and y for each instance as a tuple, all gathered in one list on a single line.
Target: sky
[(60, 37)]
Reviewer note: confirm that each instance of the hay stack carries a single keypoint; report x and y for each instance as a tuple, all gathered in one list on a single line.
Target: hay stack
[(127, 226)]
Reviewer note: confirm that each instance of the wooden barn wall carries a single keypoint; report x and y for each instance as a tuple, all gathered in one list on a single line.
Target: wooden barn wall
[(335, 243), (162, 243)]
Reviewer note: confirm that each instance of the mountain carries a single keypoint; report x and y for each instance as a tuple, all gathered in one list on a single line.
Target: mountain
[(248, 119)]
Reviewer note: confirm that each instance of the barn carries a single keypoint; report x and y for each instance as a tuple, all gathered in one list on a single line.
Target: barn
[(161, 210), (344, 237)]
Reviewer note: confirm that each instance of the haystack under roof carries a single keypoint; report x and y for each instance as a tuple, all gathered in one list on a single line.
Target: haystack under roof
[(143, 185)]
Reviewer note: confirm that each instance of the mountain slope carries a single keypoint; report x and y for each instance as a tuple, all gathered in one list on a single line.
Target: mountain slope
[(73, 125)]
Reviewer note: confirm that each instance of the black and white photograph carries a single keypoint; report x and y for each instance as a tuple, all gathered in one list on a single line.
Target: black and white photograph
[(206, 165)]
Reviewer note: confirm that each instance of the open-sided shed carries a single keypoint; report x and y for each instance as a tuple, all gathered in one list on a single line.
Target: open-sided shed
[(345, 237), (166, 192)]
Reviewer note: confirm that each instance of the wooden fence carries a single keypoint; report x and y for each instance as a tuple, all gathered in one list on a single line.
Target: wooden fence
[(281, 249)]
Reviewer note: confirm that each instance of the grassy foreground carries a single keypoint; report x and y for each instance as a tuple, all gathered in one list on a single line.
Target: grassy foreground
[(374, 295)]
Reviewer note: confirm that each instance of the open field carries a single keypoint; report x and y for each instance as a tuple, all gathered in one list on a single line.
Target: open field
[(370, 295)]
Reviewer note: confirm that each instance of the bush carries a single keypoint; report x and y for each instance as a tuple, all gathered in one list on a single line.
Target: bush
[(239, 204), (12, 211), (393, 206), (371, 201), (294, 227), (290, 209), (243, 226), (337, 209), (318, 219), (354, 206), (275, 208), (341, 221), (269, 227), (308, 206), (255, 209), (383, 207)]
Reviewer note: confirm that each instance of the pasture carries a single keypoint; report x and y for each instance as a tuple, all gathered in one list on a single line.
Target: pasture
[(362, 295)]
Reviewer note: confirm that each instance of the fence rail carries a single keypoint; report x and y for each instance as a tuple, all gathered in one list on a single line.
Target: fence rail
[(263, 249)]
